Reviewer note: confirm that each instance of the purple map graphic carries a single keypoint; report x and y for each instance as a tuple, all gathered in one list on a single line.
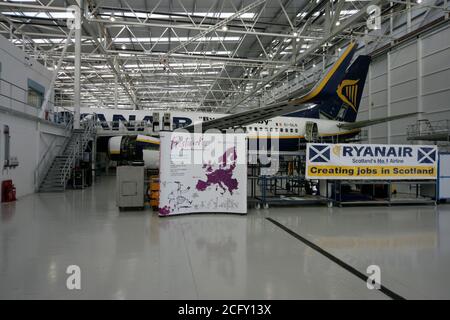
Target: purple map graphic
[(223, 176), (164, 211)]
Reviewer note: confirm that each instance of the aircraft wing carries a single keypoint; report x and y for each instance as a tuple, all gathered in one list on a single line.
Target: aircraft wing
[(327, 84), (248, 117), (366, 123)]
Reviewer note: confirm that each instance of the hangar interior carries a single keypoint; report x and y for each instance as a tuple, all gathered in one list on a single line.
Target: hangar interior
[(90, 89)]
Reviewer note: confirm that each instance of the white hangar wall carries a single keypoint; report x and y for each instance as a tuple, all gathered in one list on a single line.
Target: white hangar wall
[(30, 135), (414, 77)]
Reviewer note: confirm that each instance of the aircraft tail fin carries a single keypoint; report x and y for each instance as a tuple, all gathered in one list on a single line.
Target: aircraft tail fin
[(343, 103), (326, 87)]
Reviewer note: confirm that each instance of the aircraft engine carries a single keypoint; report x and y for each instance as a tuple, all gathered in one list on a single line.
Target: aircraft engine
[(124, 149), (311, 131)]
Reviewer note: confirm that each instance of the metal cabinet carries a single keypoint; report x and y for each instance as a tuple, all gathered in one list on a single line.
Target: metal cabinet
[(130, 187)]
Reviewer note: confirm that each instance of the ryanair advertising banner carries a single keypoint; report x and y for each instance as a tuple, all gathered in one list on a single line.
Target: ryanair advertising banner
[(370, 161)]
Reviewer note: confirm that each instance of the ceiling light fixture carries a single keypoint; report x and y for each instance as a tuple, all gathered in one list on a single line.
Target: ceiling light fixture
[(225, 28)]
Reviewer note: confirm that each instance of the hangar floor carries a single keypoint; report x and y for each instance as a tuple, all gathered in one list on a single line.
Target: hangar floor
[(138, 255)]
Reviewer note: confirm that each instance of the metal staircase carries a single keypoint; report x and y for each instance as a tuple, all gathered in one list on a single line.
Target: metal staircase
[(59, 172)]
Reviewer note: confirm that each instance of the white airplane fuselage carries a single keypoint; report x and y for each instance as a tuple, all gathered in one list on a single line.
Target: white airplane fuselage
[(289, 130)]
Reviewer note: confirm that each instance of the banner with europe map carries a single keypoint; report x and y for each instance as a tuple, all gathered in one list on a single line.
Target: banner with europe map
[(371, 161), (202, 173)]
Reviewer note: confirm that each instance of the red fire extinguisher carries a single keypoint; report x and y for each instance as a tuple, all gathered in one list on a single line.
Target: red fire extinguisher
[(8, 191)]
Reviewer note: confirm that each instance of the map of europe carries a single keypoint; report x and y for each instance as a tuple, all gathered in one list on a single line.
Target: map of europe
[(223, 176)]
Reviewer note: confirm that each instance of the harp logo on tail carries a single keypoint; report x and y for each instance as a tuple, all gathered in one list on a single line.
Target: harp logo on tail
[(347, 90)]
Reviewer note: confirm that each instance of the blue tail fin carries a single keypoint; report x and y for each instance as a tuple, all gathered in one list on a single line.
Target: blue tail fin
[(339, 94), (342, 103), (327, 85)]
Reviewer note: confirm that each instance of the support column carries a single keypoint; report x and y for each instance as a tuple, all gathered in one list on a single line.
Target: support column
[(420, 82), (76, 99), (447, 15), (370, 102), (419, 77), (388, 93), (38, 157), (94, 158), (391, 22), (294, 51), (408, 16), (115, 91)]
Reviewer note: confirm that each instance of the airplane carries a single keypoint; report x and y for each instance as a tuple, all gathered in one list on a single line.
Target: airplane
[(327, 112)]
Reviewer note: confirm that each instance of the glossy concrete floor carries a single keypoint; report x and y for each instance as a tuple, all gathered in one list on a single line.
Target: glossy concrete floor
[(137, 255)]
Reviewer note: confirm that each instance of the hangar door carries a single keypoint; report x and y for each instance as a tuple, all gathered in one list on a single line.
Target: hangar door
[(444, 176)]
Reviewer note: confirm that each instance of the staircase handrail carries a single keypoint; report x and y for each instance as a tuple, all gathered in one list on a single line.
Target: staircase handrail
[(38, 177), (81, 144)]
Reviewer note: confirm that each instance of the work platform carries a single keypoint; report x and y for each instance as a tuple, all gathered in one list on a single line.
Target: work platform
[(120, 128), (378, 192), (429, 130)]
